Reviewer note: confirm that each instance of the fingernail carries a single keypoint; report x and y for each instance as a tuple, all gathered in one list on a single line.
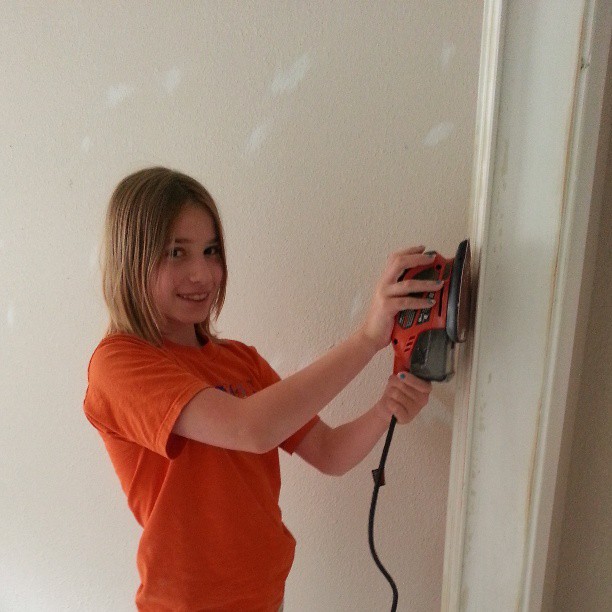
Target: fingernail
[(402, 375)]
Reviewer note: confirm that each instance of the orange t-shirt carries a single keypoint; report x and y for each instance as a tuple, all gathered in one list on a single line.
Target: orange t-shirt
[(213, 536)]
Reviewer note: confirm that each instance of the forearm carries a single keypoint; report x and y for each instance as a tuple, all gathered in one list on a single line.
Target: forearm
[(284, 407), (347, 445), (337, 450)]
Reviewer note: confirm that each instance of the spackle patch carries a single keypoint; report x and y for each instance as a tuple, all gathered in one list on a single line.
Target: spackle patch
[(86, 144), (356, 306), (172, 80), (287, 80), (115, 94), (448, 52), (257, 137), (439, 133), (10, 316)]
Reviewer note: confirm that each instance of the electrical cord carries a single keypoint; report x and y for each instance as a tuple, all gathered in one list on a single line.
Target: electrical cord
[(379, 481)]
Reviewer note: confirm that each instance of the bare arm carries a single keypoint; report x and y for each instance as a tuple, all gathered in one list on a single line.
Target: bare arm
[(336, 450), (267, 418)]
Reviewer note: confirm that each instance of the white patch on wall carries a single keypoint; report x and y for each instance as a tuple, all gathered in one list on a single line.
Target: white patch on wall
[(172, 80), (448, 52), (357, 306), (10, 316), (439, 133), (115, 94), (257, 137), (287, 80), (86, 144)]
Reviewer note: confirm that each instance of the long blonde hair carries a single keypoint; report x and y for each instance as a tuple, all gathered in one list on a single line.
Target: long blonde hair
[(140, 215)]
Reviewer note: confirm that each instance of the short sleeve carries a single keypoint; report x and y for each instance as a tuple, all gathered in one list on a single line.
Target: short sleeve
[(269, 377), (136, 392)]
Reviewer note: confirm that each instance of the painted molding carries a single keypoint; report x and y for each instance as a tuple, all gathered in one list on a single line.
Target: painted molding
[(482, 176), (536, 138), (562, 364)]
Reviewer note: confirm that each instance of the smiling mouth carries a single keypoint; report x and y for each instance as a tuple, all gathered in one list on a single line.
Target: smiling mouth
[(193, 297)]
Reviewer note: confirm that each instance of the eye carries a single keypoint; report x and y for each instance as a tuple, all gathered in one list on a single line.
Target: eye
[(212, 251), (175, 252)]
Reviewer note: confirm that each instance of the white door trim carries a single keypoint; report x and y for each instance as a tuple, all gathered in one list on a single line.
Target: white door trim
[(542, 75)]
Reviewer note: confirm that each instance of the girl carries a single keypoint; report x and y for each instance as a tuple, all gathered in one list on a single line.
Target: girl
[(193, 423)]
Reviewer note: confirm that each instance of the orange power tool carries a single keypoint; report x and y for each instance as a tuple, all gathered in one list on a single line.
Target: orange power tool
[(424, 340)]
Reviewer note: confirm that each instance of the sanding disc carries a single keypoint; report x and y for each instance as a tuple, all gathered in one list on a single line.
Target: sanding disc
[(458, 310)]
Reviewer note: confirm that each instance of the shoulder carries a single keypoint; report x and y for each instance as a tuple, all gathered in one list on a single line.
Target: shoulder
[(264, 371), (118, 349), (247, 354), (245, 350), (236, 347), (121, 341)]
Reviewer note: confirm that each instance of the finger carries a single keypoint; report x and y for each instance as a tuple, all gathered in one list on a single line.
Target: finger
[(410, 380), (404, 395), (413, 250), (401, 260), (405, 412), (406, 406), (400, 263), (410, 303), (406, 287)]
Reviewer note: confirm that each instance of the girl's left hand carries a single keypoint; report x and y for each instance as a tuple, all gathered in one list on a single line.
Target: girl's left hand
[(404, 396)]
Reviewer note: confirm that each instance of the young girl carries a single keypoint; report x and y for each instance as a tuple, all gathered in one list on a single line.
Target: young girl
[(193, 423)]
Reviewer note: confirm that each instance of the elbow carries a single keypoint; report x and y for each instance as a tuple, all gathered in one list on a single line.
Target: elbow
[(329, 467), (251, 440), (261, 447), (261, 440), (336, 471)]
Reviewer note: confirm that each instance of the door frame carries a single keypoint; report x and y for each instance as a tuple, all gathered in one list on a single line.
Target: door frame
[(542, 75)]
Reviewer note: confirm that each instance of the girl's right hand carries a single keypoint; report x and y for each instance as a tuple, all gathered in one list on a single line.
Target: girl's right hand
[(391, 296)]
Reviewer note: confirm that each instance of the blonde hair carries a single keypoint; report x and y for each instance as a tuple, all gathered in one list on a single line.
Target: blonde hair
[(140, 216)]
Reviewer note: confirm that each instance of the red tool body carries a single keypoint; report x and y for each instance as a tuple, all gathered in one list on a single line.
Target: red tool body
[(424, 339)]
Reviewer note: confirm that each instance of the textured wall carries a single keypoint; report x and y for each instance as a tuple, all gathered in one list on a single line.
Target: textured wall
[(330, 133)]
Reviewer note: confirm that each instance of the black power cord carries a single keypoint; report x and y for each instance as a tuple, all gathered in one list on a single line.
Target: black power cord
[(379, 481)]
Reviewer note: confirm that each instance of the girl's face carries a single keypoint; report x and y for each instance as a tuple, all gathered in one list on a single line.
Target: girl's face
[(187, 278)]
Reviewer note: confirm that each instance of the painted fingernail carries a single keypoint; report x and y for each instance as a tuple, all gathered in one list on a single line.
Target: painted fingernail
[(402, 375)]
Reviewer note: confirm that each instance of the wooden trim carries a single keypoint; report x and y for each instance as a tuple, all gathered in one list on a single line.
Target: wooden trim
[(578, 189), (482, 176), (532, 181)]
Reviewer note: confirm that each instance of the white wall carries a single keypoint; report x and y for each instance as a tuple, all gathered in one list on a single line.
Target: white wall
[(330, 133)]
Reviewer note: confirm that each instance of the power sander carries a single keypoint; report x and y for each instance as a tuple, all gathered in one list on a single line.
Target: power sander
[(424, 340), (424, 344)]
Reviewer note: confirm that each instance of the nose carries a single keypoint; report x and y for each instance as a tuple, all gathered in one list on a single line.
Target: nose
[(200, 271)]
